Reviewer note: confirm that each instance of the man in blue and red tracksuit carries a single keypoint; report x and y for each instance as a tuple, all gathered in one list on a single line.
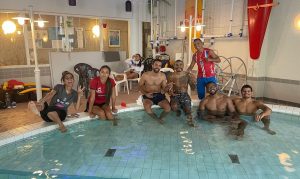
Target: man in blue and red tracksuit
[(205, 59)]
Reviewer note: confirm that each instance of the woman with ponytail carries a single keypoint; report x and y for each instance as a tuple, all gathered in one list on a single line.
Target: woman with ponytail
[(54, 106), (102, 92)]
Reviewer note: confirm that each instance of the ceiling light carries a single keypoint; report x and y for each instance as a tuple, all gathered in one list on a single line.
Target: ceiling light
[(9, 27), (21, 18), (182, 26), (96, 30), (41, 22)]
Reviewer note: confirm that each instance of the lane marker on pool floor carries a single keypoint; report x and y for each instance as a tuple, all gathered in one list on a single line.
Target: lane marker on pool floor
[(110, 152), (234, 158)]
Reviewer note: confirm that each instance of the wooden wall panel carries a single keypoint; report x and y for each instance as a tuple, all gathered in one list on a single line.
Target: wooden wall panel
[(116, 25), (12, 50)]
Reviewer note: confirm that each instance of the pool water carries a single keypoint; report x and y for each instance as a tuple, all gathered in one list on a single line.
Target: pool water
[(146, 149)]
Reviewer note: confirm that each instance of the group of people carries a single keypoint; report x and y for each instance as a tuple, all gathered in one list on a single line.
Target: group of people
[(215, 107), (154, 85), (101, 101)]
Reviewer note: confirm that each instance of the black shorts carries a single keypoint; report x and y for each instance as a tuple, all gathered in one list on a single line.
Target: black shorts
[(87, 106), (157, 97), (44, 113)]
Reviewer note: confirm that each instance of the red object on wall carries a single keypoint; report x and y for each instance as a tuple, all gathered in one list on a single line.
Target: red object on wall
[(162, 48), (258, 17)]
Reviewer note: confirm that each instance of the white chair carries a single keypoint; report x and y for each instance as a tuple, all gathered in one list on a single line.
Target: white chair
[(119, 82), (134, 79)]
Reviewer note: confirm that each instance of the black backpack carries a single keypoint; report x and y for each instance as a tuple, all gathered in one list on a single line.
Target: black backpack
[(3, 105)]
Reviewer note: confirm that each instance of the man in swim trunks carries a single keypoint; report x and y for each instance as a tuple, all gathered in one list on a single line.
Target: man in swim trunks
[(152, 85), (216, 106), (178, 83), (246, 106)]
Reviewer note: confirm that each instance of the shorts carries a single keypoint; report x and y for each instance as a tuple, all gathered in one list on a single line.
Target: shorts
[(183, 100), (87, 106), (157, 97), (44, 113), (247, 118)]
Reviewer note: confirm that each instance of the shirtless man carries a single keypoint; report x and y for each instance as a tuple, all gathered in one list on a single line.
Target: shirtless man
[(178, 83), (217, 105), (246, 106), (152, 85)]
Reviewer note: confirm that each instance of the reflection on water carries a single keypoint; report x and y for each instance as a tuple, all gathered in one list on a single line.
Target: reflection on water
[(286, 160), (49, 173), (187, 143), (295, 151)]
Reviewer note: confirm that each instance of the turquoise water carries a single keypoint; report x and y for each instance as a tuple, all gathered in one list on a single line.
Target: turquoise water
[(146, 149)]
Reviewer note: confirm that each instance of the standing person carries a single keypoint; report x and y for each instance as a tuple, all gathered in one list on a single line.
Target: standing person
[(247, 107), (135, 66), (61, 97), (205, 59), (102, 91), (178, 82), (152, 85)]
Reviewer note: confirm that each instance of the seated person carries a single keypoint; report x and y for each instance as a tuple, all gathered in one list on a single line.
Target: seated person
[(178, 82), (152, 85), (247, 107), (61, 97), (216, 105), (102, 91), (135, 66)]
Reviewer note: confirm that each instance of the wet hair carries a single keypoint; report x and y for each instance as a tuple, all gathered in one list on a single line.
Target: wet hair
[(246, 86), (64, 74), (108, 86), (197, 39), (178, 61), (156, 60)]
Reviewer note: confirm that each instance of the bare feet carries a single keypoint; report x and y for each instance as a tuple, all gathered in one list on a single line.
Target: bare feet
[(153, 116), (115, 122), (178, 113), (191, 123), (32, 107), (62, 129), (161, 121), (269, 130), (237, 132)]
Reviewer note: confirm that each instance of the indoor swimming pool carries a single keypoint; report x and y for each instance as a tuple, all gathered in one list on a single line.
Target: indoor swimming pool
[(140, 147)]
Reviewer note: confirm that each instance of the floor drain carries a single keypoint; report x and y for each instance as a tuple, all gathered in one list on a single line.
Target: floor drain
[(234, 158), (110, 152)]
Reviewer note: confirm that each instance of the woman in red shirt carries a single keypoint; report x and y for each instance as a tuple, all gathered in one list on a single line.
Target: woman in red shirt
[(102, 91)]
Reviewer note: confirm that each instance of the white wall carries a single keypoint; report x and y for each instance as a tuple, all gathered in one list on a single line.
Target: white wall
[(283, 42), (279, 57), (61, 61)]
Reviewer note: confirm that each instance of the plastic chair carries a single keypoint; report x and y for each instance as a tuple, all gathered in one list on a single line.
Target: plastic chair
[(82, 69), (93, 72), (134, 79), (119, 82)]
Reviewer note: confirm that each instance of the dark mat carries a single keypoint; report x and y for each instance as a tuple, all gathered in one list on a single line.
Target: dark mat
[(110, 152), (234, 158)]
